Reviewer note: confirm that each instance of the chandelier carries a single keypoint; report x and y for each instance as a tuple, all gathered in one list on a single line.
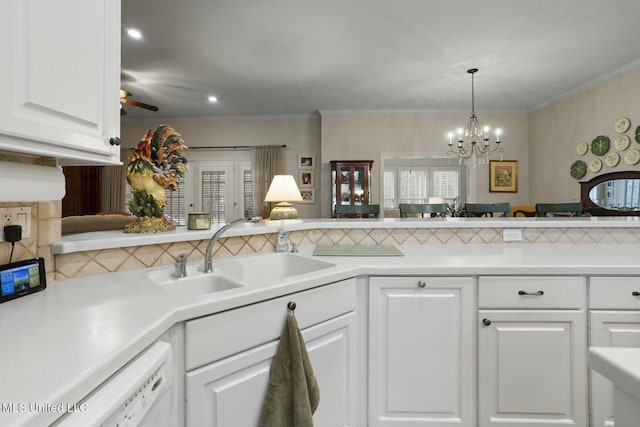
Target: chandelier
[(473, 143)]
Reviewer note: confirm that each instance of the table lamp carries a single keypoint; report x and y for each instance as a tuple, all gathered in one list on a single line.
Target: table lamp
[(283, 189)]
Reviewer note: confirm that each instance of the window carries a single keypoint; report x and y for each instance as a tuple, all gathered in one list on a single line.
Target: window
[(415, 180), (413, 185), (445, 183), (389, 189), (174, 210), (213, 194)]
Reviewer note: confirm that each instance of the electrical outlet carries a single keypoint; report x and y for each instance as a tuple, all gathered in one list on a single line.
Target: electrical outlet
[(512, 235), (19, 215)]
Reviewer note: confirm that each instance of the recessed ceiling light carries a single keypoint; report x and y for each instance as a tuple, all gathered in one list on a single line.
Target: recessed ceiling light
[(134, 33), (213, 99)]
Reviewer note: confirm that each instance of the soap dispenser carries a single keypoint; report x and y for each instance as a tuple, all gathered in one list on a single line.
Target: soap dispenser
[(281, 242)]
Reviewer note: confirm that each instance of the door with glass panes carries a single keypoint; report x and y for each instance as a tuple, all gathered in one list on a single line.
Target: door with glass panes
[(223, 188)]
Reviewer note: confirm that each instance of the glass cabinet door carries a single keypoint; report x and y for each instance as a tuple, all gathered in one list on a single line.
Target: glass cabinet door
[(350, 182)]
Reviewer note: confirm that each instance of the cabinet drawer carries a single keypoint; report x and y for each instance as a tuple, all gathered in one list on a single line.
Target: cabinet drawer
[(614, 293), (220, 335), (531, 292)]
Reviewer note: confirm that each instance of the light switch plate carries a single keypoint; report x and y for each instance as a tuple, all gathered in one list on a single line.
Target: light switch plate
[(512, 234)]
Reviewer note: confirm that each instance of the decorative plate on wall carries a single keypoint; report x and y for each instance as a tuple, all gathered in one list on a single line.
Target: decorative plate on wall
[(622, 142), (578, 169), (622, 125), (582, 148), (632, 157), (638, 134), (595, 165), (612, 159), (600, 145)]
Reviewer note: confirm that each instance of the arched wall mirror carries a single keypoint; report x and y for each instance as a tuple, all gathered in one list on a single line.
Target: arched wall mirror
[(612, 194)]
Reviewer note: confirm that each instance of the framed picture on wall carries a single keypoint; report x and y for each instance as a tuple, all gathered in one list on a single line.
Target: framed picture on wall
[(306, 178), (503, 176), (306, 161), (308, 195)]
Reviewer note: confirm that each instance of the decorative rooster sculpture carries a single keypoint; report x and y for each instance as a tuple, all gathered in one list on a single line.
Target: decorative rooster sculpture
[(154, 167)]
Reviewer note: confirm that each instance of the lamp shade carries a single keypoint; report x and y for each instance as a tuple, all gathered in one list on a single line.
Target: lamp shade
[(283, 188)]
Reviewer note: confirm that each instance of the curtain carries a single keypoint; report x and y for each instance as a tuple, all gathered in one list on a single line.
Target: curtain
[(114, 185), (266, 161)]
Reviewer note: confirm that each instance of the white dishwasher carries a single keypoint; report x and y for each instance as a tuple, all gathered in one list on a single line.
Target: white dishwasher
[(126, 397)]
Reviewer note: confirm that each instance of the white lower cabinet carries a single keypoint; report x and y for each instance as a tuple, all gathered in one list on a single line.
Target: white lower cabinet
[(229, 392), (532, 346), (614, 321), (421, 351)]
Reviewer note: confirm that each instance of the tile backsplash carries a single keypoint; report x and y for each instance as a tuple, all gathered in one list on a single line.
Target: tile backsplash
[(45, 229), (88, 263)]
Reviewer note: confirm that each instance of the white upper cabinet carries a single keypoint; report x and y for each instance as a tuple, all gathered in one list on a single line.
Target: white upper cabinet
[(59, 84)]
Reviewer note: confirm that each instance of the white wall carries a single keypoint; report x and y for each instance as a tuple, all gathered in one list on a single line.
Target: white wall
[(555, 130), (300, 134)]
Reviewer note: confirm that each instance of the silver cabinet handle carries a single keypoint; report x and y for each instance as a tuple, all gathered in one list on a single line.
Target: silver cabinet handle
[(535, 294), (422, 283)]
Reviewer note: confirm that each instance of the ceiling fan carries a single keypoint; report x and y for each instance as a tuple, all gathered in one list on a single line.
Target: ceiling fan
[(125, 100)]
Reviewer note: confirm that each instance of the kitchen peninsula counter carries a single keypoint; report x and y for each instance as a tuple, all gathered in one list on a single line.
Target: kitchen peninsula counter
[(87, 254), (115, 239), (60, 344)]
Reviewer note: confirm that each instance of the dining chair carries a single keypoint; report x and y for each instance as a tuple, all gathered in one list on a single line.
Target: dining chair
[(486, 209), (357, 211), (523, 211), (559, 209), (408, 210)]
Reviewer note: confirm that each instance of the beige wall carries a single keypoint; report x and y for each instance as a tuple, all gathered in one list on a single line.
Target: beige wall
[(300, 134), (368, 136), (555, 130)]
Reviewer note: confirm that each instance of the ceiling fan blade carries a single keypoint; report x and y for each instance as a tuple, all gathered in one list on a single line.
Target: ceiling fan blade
[(138, 104)]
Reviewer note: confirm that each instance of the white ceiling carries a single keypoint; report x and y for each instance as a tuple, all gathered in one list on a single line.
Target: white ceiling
[(290, 57)]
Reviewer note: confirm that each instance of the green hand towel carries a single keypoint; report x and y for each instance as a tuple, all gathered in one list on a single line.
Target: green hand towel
[(292, 394)]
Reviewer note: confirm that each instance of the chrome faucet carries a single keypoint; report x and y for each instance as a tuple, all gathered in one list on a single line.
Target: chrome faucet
[(208, 266), (180, 267)]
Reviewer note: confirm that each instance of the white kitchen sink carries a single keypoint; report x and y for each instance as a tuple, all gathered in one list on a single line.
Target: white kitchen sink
[(268, 268), (234, 272), (200, 285), (196, 282)]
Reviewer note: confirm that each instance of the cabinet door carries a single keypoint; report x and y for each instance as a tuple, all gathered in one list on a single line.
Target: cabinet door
[(532, 368), (59, 93), (350, 182), (609, 329), (421, 352), (230, 392)]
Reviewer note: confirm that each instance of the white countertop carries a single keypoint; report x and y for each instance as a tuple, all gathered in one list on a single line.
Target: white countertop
[(59, 344), (117, 239), (620, 365)]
